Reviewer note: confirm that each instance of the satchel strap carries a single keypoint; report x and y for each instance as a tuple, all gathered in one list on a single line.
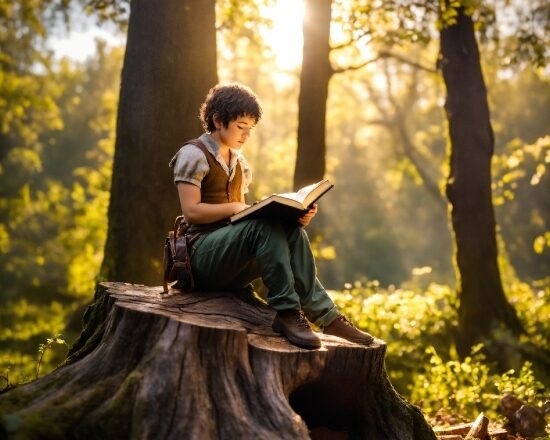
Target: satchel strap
[(170, 253), (172, 241), (167, 259), (177, 222)]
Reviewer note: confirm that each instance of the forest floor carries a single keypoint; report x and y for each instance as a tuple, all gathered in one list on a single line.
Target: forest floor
[(450, 427)]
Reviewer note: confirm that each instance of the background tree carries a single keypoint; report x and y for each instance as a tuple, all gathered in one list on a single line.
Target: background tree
[(57, 141), (483, 305), (28, 108), (406, 21), (169, 65), (312, 103)]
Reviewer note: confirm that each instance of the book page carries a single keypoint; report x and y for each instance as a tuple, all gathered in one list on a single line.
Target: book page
[(286, 205), (301, 195)]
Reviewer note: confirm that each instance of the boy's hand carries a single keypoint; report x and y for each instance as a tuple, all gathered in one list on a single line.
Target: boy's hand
[(238, 207), (306, 218)]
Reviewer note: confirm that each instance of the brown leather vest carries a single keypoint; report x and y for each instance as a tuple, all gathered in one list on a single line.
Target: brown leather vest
[(216, 186)]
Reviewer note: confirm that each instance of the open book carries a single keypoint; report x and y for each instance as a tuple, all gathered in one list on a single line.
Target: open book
[(286, 207)]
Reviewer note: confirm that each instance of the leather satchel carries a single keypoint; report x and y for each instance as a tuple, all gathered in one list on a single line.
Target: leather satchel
[(177, 261)]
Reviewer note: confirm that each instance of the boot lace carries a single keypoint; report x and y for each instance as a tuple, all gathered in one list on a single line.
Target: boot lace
[(346, 321), (301, 319)]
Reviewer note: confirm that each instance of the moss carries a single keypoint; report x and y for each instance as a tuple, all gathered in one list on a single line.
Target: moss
[(63, 418), (34, 426), (20, 398), (111, 400), (115, 414), (21, 395), (10, 398), (39, 428)]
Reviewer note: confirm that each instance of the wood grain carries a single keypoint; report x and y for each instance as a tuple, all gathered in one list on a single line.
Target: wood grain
[(207, 366)]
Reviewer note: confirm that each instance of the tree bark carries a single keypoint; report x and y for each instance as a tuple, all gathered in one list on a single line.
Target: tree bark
[(312, 102), (206, 366), (169, 65), (483, 305)]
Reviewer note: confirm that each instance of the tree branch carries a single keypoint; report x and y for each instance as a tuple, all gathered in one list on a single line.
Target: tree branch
[(357, 66), (350, 41), (395, 123), (409, 148), (411, 63), (386, 54)]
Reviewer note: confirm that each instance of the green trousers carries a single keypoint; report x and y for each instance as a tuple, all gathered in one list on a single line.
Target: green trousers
[(236, 255)]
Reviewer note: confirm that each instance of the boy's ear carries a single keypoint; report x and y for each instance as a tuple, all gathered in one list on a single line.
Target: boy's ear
[(217, 121)]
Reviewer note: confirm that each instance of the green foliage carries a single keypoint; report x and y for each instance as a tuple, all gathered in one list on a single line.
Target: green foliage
[(24, 326), (57, 121), (468, 387), (522, 384), (457, 386), (519, 34), (15, 367), (407, 320), (532, 303), (418, 328), (43, 348), (448, 13), (56, 145), (243, 19), (523, 203), (112, 11)]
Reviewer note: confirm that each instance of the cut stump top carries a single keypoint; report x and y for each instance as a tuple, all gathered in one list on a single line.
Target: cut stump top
[(218, 310)]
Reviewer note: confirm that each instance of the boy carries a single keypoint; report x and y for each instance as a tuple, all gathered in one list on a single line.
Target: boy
[(212, 177)]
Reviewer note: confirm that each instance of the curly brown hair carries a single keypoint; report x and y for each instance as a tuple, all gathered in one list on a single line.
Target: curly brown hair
[(228, 102)]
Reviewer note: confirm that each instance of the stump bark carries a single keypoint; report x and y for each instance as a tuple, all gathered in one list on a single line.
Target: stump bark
[(206, 366)]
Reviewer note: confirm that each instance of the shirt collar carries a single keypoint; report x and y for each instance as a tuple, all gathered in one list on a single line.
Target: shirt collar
[(210, 143), (214, 148)]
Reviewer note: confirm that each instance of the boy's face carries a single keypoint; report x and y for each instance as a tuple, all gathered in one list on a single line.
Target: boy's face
[(236, 133)]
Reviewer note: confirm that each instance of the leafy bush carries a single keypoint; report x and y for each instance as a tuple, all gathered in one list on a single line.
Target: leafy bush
[(406, 320), (24, 327), (532, 302), (468, 387), (421, 358)]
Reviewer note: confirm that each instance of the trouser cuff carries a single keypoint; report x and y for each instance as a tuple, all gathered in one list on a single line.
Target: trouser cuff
[(280, 305), (327, 318)]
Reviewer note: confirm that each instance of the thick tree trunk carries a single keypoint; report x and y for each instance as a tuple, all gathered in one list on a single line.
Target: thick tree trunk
[(206, 366), (483, 305), (312, 102), (169, 65)]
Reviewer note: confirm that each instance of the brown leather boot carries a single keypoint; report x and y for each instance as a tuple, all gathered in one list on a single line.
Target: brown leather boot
[(293, 325), (343, 328)]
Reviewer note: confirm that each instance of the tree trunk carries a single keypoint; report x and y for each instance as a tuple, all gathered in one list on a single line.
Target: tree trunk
[(312, 102), (483, 305), (206, 366), (169, 65)]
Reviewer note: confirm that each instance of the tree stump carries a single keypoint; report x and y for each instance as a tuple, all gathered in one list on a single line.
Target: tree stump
[(206, 365)]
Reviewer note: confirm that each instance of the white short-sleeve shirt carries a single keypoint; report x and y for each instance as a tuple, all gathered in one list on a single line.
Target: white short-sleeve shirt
[(191, 166)]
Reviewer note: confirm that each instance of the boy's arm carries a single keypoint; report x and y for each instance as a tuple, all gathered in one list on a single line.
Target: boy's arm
[(201, 213)]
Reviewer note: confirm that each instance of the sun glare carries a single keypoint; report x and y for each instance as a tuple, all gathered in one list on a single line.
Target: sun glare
[(80, 44), (285, 38)]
